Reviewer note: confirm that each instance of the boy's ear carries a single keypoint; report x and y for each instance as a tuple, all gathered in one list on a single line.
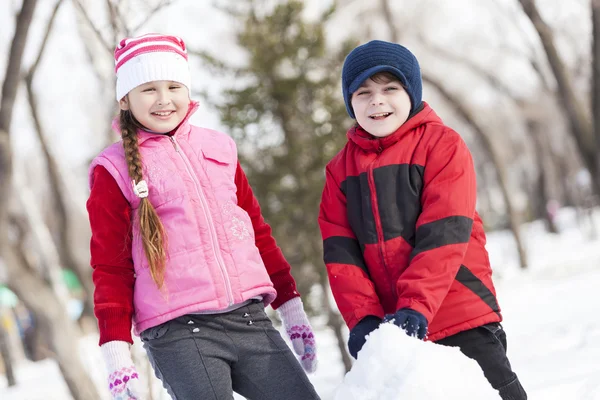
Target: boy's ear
[(124, 104)]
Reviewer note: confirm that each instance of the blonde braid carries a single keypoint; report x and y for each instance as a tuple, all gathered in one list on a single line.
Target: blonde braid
[(153, 234)]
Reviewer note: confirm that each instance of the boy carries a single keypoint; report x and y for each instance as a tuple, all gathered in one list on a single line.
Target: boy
[(402, 240)]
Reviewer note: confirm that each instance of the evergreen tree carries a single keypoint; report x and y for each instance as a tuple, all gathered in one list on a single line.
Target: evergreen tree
[(288, 118)]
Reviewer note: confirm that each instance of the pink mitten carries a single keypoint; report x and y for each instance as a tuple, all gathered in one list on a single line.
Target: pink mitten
[(123, 379), (300, 332)]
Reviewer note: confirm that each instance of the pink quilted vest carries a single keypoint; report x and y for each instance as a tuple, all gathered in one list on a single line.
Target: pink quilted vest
[(212, 261)]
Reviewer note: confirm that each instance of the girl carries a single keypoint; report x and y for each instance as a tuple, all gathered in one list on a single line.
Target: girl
[(179, 247)]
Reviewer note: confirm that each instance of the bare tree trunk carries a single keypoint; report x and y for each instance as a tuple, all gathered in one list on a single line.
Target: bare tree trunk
[(67, 258), (6, 356), (335, 322), (38, 297), (42, 238), (541, 181), (100, 55), (581, 126), (9, 94), (40, 340), (596, 80), (568, 198), (63, 333), (13, 68), (28, 286)]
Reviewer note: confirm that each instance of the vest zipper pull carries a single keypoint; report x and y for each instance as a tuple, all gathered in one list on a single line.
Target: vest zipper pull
[(172, 139)]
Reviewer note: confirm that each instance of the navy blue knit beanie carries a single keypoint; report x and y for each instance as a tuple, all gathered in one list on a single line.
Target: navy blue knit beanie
[(378, 56)]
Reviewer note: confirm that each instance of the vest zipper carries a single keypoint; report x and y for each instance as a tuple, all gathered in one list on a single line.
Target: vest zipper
[(213, 233)]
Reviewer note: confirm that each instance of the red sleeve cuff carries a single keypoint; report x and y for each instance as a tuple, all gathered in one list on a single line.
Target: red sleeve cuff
[(285, 285), (114, 324)]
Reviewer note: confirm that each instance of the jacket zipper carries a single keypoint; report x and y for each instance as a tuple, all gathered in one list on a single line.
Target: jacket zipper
[(213, 233), (375, 207)]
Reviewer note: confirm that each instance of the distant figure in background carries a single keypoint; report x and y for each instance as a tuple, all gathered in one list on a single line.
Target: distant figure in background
[(180, 246), (402, 240), (586, 202), (27, 330)]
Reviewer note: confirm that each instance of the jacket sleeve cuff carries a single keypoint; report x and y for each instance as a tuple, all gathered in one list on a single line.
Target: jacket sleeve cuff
[(413, 305), (363, 312), (285, 285), (114, 324)]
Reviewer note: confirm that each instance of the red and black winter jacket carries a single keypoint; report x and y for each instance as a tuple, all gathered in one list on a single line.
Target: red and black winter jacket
[(114, 275), (400, 228)]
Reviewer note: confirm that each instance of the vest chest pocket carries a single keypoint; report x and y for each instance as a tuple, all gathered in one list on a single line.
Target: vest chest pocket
[(219, 165)]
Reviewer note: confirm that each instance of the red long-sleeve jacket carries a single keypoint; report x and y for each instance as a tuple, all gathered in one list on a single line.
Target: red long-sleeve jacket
[(400, 229), (113, 276)]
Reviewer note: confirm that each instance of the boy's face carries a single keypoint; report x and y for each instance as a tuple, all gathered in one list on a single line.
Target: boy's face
[(160, 106), (381, 107)]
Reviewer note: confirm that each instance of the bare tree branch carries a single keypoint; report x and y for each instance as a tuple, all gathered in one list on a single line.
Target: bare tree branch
[(13, 67), (115, 20), (533, 58), (154, 10), (34, 66), (580, 124), (67, 258), (93, 27), (492, 79), (9, 94), (388, 16)]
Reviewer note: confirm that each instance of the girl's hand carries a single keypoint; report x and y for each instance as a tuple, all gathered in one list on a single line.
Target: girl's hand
[(123, 379), (300, 332)]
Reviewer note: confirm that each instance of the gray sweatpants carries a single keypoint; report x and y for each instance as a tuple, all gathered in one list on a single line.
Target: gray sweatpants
[(210, 356)]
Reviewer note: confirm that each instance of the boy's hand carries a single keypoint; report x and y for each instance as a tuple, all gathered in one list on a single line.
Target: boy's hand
[(357, 338), (412, 322), (300, 332)]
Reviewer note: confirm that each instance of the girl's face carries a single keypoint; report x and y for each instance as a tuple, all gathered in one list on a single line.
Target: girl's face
[(159, 106), (381, 107)]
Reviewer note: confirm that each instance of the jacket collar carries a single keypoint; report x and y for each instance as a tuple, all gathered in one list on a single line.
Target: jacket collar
[(369, 143), (182, 129)]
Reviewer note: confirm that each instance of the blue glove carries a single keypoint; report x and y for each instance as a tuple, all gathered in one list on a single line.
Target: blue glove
[(413, 322), (357, 338)]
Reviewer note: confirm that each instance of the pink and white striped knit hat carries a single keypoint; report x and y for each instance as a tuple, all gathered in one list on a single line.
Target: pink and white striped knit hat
[(148, 58)]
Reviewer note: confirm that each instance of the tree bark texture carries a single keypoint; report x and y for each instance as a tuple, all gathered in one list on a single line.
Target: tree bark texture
[(580, 124)]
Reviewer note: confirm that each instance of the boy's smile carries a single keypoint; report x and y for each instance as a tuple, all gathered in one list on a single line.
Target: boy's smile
[(381, 107)]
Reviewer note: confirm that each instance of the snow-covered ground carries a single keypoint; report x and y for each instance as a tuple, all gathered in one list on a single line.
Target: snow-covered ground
[(551, 320)]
